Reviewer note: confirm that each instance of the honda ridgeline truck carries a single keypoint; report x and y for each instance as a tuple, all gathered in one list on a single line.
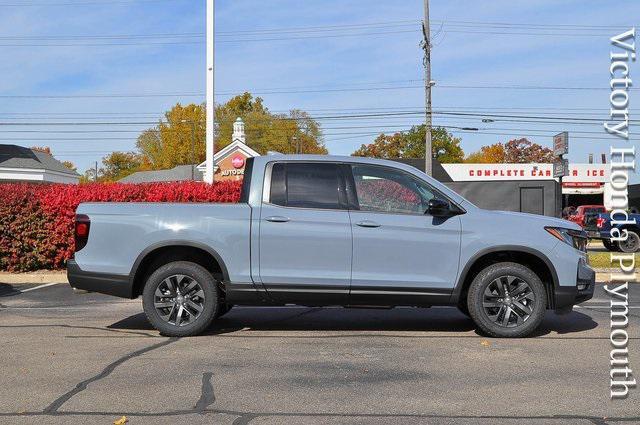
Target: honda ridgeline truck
[(332, 231)]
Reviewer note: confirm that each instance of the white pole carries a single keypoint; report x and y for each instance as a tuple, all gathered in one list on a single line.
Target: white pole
[(208, 175)]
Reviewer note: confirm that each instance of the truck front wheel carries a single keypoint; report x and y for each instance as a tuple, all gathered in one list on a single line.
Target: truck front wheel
[(507, 300), (180, 299), (631, 244)]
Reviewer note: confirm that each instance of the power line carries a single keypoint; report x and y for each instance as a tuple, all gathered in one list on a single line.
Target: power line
[(82, 3)]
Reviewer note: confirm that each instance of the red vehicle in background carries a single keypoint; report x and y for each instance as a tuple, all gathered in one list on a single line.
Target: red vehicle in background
[(581, 213)]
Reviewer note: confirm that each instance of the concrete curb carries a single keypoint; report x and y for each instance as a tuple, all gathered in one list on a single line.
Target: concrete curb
[(605, 276), (34, 278)]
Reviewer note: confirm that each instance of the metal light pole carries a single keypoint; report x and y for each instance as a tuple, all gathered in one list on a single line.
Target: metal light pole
[(426, 31), (297, 143), (210, 105), (193, 147)]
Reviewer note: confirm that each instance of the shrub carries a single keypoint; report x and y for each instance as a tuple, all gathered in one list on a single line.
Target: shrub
[(36, 221)]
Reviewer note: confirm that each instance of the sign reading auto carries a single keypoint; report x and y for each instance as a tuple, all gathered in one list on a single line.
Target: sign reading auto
[(237, 162), (231, 167), (488, 172)]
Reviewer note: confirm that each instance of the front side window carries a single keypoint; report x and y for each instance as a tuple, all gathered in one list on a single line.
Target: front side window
[(383, 189), (306, 185)]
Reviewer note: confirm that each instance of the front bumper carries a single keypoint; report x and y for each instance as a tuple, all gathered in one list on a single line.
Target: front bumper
[(568, 296), (104, 283)]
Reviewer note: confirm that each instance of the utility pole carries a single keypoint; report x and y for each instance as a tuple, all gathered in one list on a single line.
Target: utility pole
[(95, 176), (426, 44), (210, 106)]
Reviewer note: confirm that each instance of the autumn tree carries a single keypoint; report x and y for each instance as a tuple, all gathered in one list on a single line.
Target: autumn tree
[(43, 149), (70, 165), (525, 151), (411, 144), (492, 154), (118, 165), (514, 151), (170, 142), (267, 131)]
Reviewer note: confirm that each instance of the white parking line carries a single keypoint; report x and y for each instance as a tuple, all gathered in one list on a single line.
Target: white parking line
[(40, 287), (601, 306)]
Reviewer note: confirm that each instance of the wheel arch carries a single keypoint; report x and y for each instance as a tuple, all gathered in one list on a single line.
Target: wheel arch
[(175, 250), (534, 259)]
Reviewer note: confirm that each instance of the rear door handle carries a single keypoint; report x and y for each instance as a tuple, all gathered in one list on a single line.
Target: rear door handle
[(368, 223), (277, 219)]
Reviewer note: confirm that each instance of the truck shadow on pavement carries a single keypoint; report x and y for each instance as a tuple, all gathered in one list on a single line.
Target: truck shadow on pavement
[(448, 320)]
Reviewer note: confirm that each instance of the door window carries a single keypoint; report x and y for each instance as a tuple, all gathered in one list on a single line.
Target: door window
[(383, 189), (306, 185)]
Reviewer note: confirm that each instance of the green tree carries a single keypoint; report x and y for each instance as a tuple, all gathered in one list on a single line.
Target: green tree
[(410, 144)]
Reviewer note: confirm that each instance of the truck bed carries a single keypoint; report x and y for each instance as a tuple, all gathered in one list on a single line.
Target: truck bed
[(121, 232)]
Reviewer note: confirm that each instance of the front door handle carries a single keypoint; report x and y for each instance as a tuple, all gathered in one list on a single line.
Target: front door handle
[(368, 223), (277, 219)]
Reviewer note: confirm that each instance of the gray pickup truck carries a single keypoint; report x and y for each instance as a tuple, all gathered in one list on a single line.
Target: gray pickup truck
[(332, 231)]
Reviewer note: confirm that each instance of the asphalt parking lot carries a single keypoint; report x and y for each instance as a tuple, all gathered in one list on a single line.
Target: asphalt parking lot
[(77, 358)]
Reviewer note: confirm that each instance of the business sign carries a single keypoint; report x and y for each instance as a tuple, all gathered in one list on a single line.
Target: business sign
[(495, 172), (231, 167), (561, 168), (237, 162), (561, 144)]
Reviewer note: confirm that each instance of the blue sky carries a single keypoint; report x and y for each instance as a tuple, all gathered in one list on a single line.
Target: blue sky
[(367, 69)]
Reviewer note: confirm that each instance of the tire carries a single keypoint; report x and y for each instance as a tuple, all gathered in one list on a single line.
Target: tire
[(488, 287), (610, 246), (632, 244), (162, 305)]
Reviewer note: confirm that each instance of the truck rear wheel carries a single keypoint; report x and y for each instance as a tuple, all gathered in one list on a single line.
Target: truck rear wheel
[(610, 246), (180, 299), (507, 300)]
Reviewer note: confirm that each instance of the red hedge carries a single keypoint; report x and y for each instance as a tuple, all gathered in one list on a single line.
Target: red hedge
[(36, 221)]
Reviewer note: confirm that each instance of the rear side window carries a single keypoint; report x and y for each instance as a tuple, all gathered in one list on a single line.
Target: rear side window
[(306, 185)]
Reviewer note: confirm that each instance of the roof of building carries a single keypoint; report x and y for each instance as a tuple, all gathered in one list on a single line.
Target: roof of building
[(178, 173), (13, 156)]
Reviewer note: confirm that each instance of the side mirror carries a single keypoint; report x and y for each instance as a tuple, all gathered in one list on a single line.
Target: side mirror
[(439, 208)]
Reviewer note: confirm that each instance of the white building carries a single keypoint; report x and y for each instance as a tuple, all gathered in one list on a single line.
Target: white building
[(20, 164)]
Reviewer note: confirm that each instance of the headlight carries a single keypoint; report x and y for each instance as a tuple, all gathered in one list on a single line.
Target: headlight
[(575, 238)]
